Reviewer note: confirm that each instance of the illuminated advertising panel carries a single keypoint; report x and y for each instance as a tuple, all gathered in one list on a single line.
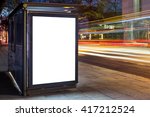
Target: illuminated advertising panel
[(53, 49)]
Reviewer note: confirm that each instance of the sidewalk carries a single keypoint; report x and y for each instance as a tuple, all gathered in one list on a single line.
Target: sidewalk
[(97, 83)]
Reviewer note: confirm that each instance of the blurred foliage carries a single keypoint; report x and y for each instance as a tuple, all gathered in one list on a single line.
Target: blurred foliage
[(7, 5), (89, 9), (11, 4), (99, 9), (2, 4)]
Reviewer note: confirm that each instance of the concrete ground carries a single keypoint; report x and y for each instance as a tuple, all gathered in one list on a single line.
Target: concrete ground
[(95, 83)]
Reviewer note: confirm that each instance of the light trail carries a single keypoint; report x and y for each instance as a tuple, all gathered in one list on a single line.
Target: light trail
[(115, 57), (116, 53), (122, 50)]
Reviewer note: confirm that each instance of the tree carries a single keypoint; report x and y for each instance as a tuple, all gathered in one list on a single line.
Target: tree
[(90, 9), (89, 2), (101, 6), (93, 9), (11, 4), (114, 6), (6, 6), (2, 3)]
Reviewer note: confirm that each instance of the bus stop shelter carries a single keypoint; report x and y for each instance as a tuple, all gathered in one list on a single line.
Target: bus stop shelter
[(42, 47)]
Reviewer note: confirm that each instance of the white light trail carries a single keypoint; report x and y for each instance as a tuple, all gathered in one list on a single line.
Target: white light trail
[(115, 57), (116, 53), (128, 50)]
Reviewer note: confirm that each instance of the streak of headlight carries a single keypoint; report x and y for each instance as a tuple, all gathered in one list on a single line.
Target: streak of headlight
[(117, 50), (103, 52), (115, 57)]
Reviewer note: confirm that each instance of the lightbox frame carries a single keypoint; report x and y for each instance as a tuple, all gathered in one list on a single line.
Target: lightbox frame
[(30, 47)]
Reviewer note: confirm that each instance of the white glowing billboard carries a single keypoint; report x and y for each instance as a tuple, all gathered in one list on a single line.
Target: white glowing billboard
[(53, 49)]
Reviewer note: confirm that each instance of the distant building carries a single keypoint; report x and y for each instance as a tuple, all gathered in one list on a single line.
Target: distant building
[(132, 6), (136, 9)]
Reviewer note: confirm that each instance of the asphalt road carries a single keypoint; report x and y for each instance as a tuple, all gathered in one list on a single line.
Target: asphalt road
[(125, 59)]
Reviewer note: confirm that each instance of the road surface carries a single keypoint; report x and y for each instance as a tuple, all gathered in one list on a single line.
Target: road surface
[(133, 60)]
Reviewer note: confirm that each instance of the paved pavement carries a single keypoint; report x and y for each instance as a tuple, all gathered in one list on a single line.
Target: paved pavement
[(95, 82)]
